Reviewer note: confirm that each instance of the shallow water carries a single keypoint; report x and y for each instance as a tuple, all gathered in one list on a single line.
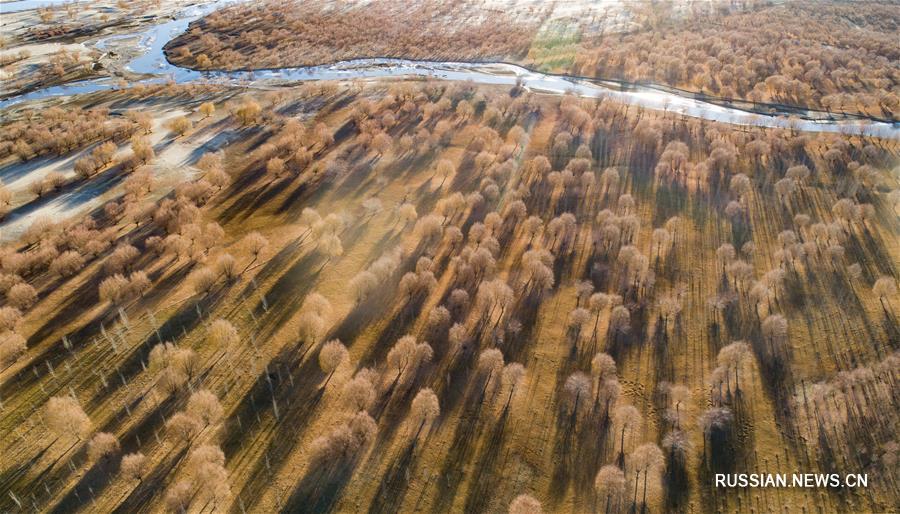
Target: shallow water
[(25, 5), (152, 63)]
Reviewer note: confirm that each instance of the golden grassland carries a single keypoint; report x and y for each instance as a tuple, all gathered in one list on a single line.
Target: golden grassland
[(490, 442)]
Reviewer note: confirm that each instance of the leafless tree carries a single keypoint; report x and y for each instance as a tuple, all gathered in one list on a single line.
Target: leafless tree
[(256, 244), (490, 367), (184, 427), (359, 392), (331, 356), (513, 374), (646, 458), (626, 418), (223, 334), (179, 496), (603, 371), (775, 330), (134, 466), (577, 387), (345, 440), (248, 112), (733, 357), (12, 346), (206, 465), (610, 486), (424, 409), (180, 125), (406, 356), (716, 424), (103, 445), (65, 418), (884, 287), (620, 320), (525, 504), (205, 406), (21, 296), (207, 109), (203, 280)]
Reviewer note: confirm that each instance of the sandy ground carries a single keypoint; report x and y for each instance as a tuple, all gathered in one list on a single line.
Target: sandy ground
[(39, 50), (169, 168), (108, 14)]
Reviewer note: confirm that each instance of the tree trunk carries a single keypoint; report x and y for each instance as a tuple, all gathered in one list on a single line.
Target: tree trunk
[(644, 501), (637, 475)]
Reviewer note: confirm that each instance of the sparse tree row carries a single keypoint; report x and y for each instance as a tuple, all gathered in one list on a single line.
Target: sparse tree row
[(338, 301), (847, 421), (59, 131), (61, 66)]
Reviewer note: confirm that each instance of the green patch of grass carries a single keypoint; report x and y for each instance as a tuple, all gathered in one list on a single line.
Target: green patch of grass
[(553, 49)]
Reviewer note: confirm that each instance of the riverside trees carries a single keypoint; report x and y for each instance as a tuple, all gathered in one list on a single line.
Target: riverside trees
[(568, 245)]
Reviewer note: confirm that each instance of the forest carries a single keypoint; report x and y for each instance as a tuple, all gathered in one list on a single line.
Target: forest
[(840, 58), (451, 297), (232, 293)]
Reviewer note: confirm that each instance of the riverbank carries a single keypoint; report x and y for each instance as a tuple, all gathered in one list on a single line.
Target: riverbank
[(148, 61)]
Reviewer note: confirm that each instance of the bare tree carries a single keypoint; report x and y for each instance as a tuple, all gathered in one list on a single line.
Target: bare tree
[(716, 424), (103, 445), (603, 369), (65, 418), (207, 109), (646, 458), (406, 356), (359, 392), (175, 366), (490, 366), (619, 320), (21, 296), (203, 280), (733, 357), (626, 418), (775, 330), (223, 334), (206, 465), (424, 409), (179, 496), (180, 125), (134, 466), (12, 346), (248, 112), (67, 264), (184, 427), (577, 388), (331, 356), (610, 486), (10, 318), (525, 504), (345, 440), (884, 287), (579, 319), (513, 374), (205, 406)]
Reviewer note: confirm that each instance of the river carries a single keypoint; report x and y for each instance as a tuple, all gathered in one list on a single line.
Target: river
[(151, 63)]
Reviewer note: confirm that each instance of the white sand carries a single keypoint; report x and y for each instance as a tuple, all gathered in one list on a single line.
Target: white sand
[(169, 168)]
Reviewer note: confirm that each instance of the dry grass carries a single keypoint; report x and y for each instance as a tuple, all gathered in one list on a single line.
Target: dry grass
[(478, 454)]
